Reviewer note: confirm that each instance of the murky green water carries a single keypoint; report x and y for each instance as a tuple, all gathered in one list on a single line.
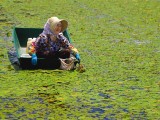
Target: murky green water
[(118, 42)]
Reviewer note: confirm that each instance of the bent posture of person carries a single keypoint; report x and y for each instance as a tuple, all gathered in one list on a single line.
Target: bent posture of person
[(52, 43)]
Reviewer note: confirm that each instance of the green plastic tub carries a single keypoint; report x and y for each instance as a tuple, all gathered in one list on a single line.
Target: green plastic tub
[(20, 38)]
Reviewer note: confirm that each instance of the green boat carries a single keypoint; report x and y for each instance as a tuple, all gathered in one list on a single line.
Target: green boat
[(20, 38)]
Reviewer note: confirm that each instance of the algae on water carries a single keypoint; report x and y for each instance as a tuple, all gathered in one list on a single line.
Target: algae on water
[(119, 47)]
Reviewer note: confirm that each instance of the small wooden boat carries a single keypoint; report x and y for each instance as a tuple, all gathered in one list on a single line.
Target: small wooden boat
[(20, 38)]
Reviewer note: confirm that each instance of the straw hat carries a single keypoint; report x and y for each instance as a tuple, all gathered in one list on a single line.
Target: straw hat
[(54, 20)]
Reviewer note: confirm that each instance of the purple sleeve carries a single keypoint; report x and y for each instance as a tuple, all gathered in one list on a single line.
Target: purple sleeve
[(41, 43), (63, 41)]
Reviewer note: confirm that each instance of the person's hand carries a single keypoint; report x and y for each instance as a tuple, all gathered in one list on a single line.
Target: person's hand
[(78, 57), (34, 59)]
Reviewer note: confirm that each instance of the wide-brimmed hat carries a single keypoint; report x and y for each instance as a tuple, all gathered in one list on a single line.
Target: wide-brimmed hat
[(53, 21)]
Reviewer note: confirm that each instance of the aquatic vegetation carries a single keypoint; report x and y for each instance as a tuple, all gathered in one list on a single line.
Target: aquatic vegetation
[(119, 47)]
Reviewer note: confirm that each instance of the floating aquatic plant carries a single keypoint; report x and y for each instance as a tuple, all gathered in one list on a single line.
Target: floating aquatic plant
[(119, 48)]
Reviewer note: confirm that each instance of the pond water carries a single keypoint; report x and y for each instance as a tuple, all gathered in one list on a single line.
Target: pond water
[(119, 47)]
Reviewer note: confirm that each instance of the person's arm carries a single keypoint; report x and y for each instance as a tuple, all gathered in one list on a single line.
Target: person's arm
[(75, 52), (67, 44)]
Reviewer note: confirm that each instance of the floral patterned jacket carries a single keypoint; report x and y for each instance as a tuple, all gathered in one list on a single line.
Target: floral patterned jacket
[(50, 44)]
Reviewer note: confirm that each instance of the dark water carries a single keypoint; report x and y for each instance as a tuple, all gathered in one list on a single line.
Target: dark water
[(17, 108)]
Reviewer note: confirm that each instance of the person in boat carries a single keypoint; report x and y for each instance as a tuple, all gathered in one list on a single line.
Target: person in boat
[(51, 43)]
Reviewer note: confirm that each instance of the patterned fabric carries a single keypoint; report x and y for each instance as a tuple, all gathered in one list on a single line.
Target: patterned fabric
[(49, 44), (47, 29), (44, 45)]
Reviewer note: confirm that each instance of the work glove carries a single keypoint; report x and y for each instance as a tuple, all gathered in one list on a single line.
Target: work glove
[(78, 57), (34, 59)]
